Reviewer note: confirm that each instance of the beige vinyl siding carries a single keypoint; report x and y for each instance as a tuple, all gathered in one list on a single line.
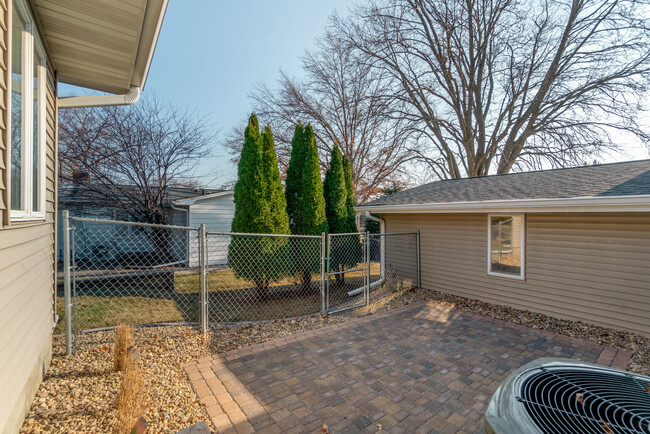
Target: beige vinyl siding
[(590, 267), (27, 285), (403, 259)]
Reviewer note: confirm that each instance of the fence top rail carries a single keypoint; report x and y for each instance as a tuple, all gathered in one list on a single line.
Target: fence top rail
[(118, 222), (244, 234), (348, 233), (393, 233)]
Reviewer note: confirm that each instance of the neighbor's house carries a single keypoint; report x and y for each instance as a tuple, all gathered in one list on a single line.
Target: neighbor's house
[(569, 243), (102, 45), (107, 241), (215, 211)]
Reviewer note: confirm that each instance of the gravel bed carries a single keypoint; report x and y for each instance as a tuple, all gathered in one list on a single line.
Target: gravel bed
[(79, 392)]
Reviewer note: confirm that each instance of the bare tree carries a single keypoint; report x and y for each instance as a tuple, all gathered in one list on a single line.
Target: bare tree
[(492, 85), (344, 100), (132, 155)]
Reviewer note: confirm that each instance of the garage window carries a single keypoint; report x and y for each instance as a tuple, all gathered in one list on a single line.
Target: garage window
[(506, 245)]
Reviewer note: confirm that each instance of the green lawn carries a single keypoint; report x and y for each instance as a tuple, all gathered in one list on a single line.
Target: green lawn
[(109, 302)]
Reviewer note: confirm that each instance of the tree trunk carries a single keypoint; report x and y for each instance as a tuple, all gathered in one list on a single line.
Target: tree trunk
[(263, 290), (340, 278), (306, 280), (160, 240)]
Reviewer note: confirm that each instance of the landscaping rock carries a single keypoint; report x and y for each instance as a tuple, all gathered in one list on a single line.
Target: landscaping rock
[(78, 393)]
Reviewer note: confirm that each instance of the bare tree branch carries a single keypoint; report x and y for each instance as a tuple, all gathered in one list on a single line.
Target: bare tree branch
[(133, 154), (345, 101), (502, 84)]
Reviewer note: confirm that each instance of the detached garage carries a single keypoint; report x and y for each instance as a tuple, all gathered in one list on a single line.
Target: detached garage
[(569, 243), (215, 211)]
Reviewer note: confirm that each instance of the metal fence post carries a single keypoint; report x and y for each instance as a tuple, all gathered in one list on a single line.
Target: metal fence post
[(67, 299), (367, 254), (203, 320), (418, 253), (322, 273), (327, 274)]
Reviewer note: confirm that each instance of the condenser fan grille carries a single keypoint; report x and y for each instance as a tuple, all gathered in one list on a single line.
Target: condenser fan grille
[(584, 400)]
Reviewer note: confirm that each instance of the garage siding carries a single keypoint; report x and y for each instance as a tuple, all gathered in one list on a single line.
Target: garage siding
[(590, 267)]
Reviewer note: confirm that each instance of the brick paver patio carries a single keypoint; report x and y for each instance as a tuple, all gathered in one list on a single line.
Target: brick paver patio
[(423, 368)]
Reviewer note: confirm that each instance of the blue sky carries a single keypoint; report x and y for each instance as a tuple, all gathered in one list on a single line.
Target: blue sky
[(211, 54)]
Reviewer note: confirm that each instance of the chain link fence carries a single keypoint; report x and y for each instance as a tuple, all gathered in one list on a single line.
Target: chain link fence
[(399, 254), (263, 277), (124, 272)]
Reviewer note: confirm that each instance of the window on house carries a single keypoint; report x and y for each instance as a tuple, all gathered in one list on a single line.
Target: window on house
[(506, 245), (27, 113)]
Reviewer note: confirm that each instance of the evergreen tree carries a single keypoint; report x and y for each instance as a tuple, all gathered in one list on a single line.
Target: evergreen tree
[(305, 201), (335, 210), (312, 220), (353, 248), (294, 174), (335, 193), (304, 187), (260, 209), (278, 218), (350, 202), (249, 192)]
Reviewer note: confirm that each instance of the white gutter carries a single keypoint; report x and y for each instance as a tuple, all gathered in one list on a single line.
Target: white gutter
[(156, 9), (185, 210), (129, 98), (382, 254), (638, 203)]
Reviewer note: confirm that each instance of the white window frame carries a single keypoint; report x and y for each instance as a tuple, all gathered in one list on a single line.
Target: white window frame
[(522, 268), (31, 47)]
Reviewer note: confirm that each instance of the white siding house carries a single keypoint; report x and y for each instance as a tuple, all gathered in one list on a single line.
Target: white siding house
[(216, 212)]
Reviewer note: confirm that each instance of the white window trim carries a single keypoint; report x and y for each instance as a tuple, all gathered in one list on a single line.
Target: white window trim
[(522, 269), (31, 46)]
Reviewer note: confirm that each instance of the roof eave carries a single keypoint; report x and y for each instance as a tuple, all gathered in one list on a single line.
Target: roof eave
[(639, 203), (192, 200), (139, 69)]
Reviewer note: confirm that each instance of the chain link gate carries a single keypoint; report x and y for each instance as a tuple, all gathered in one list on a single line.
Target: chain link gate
[(117, 272), (348, 266)]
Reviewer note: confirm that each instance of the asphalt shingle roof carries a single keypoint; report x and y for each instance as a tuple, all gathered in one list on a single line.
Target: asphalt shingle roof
[(82, 193), (616, 179)]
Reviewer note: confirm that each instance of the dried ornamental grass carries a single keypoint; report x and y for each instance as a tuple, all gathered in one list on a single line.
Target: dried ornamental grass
[(131, 399), (123, 340)]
